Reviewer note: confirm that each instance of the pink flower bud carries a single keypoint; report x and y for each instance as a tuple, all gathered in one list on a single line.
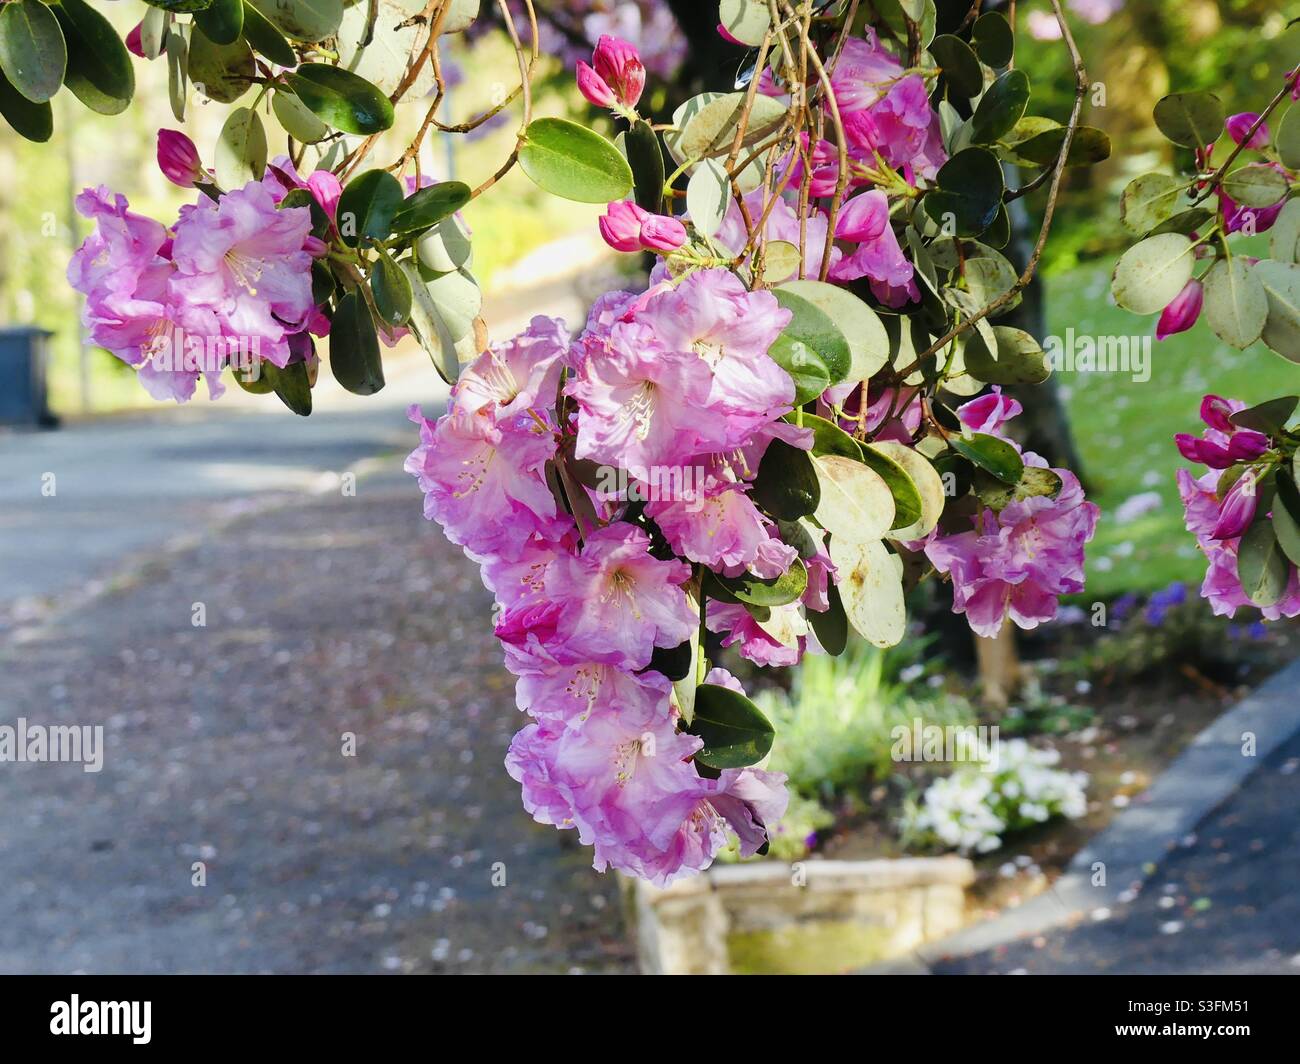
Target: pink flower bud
[(1246, 445), (178, 158), (1239, 125), (619, 68), (1215, 411), (593, 87), (621, 225), (661, 233), (315, 247), (1182, 312), (1195, 449), (1238, 509), (134, 41), (326, 189)]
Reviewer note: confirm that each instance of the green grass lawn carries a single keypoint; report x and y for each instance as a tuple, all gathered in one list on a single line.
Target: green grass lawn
[(1125, 429)]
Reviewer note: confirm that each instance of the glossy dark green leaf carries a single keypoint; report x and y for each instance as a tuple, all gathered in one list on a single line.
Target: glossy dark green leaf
[(1184, 222), (32, 121), (1088, 146), (786, 486), (734, 730), (341, 99), (804, 365), (392, 290), (816, 330), (1001, 107), (749, 589), (222, 20), (831, 627), (99, 72), (268, 40), (646, 158), (1262, 566), (428, 206), (291, 384), (576, 163), (959, 65), (32, 53), (991, 454), (354, 347), (1190, 119), (1269, 417), (221, 72), (969, 195), (367, 206), (992, 39)]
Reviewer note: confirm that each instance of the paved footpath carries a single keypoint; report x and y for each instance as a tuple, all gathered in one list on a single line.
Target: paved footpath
[(326, 615)]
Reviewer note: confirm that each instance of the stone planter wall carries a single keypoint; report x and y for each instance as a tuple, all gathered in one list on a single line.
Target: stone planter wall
[(810, 917)]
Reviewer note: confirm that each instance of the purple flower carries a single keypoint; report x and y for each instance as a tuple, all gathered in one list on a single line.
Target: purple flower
[(617, 77), (865, 221), (1239, 125), (178, 159), (628, 227), (518, 375), (1238, 509), (989, 412), (1182, 312)]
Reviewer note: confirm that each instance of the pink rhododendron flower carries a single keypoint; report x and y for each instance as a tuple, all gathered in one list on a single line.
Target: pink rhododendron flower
[(178, 159), (725, 531), (628, 227), (241, 266), (1221, 586), (326, 190), (1222, 444), (782, 224), (484, 481), (1015, 563), (1181, 314), (738, 628), (620, 601), (569, 694), (865, 221), (522, 373), (990, 412), (1240, 124), (1238, 509), (616, 77)]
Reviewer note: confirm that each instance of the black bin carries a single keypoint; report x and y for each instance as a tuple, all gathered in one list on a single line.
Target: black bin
[(24, 356)]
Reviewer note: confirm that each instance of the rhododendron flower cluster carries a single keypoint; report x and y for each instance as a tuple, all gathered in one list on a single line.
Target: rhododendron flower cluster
[(229, 283), (585, 603)]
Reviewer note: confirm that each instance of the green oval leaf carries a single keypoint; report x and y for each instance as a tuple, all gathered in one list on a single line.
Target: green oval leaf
[(1255, 186), (264, 37), (871, 587), (831, 626), (786, 486), (925, 482), (1287, 138), (429, 328), (1236, 304), (1269, 417), (296, 118), (992, 39), (858, 323), (1149, 200), (392, 291), (646, 159), (1190, 119), (1018, 359), (734, 730), (969, 195), (958, 63), (32, 121), (99, 71), (240, 155), (303, 20), (991, 454), (1152, 272), (1262, 566), (32, 53), (292, 384), (828, 438), (222, 21), (1089, 145), (354, 346), (1281, 283), (567, 160), (221, 72), (367, 206), (341, 99), (746, 20), (179, 7), (708, 195), (1001, 107), (778, 591), (812, 327), (428, 206), (856, 503), (907, 498), (1286, 517)]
